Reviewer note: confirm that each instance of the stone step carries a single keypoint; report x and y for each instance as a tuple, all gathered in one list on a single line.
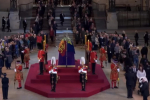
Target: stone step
[(64, 24), (65, 20), (63, 28), (62, 8), (67, 14)]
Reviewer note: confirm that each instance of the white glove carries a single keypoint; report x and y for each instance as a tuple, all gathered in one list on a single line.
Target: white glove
[(39, 60), (80, 71), (96, 61), (50, 71), (22, 51), (118, 70), (15, 70)]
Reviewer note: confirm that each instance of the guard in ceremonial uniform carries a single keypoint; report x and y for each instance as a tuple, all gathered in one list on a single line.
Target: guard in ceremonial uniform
[(26, 57), (102, 56), (18, 77), (88, 49), (114, 72), (39, 41), (5, 85), (18, 66), (53, 74), (93, 60), (22, 48), (83, 73), (41, 56)]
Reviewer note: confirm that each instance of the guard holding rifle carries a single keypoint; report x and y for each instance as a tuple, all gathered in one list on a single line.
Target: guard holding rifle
[(83, 73), (18, 74), (41, 56), (53, 74)]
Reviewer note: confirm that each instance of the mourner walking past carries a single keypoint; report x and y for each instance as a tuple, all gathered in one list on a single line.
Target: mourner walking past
[(5, 85), (1, 63), (3, 24), (129, 75)]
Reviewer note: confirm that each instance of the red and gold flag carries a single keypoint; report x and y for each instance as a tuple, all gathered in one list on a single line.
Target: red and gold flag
[(62, 48)]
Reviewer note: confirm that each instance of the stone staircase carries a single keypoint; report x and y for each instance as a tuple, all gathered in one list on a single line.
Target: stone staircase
[(66, 28), (30, 16)]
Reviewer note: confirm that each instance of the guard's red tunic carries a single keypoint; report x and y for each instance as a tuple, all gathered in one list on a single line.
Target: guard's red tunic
[(41, 54), (93, 56), (114, 72)]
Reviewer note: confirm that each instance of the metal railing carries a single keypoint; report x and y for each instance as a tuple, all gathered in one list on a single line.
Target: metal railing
[(134, 17)]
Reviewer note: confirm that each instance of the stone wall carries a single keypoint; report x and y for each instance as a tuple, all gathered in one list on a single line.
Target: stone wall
[(119, 2), (4, 5)]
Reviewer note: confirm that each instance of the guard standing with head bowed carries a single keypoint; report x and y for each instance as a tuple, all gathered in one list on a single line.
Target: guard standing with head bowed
[(102, 56), (114, 72), (53, 74), (26, 57), (83, 73), (41, 57), (93, 60), (18, 74)]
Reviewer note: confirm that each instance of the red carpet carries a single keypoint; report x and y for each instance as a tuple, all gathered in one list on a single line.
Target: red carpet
[(68, 85)]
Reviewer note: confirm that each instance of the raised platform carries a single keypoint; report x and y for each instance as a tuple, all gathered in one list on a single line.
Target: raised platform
[(68, 85)]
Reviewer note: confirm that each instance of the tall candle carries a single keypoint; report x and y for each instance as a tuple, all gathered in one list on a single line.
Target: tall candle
[(45, 37), (85, 39), (88, 44), (44, 43)]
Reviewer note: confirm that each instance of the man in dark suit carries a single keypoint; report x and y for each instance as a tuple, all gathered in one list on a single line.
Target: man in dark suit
[(24, 25), (8, 25), (5, 85), (144, 51), (41, 23), (129, 82), (144, 89), (3, 24), (135, 77), (55, 27), (109, 53), (62, 18)]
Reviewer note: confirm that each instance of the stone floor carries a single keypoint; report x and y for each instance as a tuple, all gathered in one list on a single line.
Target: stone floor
[(23, 94)]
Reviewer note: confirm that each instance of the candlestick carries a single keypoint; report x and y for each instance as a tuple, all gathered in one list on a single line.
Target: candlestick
[(88, 45)]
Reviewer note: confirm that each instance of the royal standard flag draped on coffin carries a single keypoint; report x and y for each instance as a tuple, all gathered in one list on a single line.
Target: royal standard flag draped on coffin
[(62, 48), (66, 53)]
